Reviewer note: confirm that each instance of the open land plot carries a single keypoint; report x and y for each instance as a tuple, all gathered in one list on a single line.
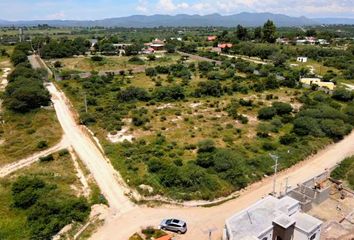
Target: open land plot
[(25, 134), (111, 63), (166, 136)]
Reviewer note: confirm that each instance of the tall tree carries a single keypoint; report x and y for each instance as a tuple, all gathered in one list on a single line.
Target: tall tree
[(241, 32), (258, 33), (269, 31)]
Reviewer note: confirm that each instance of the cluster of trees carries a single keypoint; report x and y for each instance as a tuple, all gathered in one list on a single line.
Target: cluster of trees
[(25, 90), (47, 212), (267, 33), (61, 48), (225, 163)]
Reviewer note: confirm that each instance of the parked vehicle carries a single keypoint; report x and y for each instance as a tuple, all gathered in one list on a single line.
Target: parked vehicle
[(174, 225)]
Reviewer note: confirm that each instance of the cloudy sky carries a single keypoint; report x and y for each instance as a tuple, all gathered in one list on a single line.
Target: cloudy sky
[(98, 9)]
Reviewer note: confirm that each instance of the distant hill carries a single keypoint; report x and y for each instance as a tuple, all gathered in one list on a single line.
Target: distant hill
[(349, 21), (183, 20)]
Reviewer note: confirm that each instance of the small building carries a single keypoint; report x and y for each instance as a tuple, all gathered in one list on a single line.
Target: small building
[(323, 42), (302, 59), (157, 45), (284, 41), (273, 219), (308, 82), (212, 38), (148, 50), (225, 45)]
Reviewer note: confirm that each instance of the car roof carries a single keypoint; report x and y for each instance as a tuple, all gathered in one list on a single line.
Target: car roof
[(177, 221)]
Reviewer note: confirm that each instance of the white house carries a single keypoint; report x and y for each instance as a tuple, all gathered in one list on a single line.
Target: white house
[(302, 59), (272, 218)]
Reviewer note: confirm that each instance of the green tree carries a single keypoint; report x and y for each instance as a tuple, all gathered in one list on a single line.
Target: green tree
[(241, 32), (267, 113), (258, 33), (269, 32)]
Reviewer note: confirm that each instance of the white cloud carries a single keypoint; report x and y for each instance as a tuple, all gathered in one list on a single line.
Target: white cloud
[(170, 6), (58, 15), (142, 6)]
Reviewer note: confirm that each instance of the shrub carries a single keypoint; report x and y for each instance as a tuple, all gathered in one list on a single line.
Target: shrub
[(206, 145), (267, 113), (42, 144), (342, 94), (97, 58), (282, 108), (63, 152), (288, 139), (136, 60), (47, 158)]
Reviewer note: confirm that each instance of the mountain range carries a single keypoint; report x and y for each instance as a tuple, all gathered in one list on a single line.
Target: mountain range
[(183, 20)]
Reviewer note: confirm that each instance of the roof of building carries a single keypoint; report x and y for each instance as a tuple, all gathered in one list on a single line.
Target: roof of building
[(259, 218), (284, 221), (166, 237), (306, 222)]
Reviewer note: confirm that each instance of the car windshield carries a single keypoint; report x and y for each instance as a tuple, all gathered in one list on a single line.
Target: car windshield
[(168, 221), (184, 225)]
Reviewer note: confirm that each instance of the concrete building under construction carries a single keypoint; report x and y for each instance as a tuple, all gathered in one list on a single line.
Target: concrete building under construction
[(273, 219)]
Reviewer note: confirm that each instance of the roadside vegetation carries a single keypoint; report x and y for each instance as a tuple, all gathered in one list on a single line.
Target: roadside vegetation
[(37, 202), (345, 171), (26, 126)]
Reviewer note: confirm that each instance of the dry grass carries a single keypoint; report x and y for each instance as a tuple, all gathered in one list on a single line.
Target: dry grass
[(111, 63), (22, 132)]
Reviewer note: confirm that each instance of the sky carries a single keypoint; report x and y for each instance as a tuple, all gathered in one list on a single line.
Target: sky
[(100, 9)]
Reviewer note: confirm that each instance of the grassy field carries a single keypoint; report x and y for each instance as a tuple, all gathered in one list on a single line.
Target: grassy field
[(113, 63), (21, 134), (319, 68)]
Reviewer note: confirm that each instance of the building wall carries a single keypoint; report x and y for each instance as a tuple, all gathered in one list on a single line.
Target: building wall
[(301, 235), (268, 235)]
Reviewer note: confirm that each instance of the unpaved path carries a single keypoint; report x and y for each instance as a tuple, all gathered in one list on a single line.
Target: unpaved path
[(80, 174), (12, 167), (107, 178), (200, 219), (249, 59)]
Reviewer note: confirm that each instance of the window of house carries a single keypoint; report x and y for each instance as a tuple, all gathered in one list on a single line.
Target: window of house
[(313, 237)]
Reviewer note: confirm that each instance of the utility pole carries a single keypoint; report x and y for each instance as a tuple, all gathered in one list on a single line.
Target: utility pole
[(275, 158), (85, 101), (286, 185)]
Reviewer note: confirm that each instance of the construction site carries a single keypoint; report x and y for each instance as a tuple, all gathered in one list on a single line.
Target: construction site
[(330, 201)]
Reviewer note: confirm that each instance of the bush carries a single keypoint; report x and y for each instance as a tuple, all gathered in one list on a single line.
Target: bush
[(47, 158), (26, 191), (282, 108), (267, 113), (136, 60), (288, 139), (42, 144), (97, 58), (63, 152), (206, 145), (342, 94)]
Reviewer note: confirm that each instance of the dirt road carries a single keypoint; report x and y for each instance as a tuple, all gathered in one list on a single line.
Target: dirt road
[(12, 167), (106, 177), (201, 219)]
